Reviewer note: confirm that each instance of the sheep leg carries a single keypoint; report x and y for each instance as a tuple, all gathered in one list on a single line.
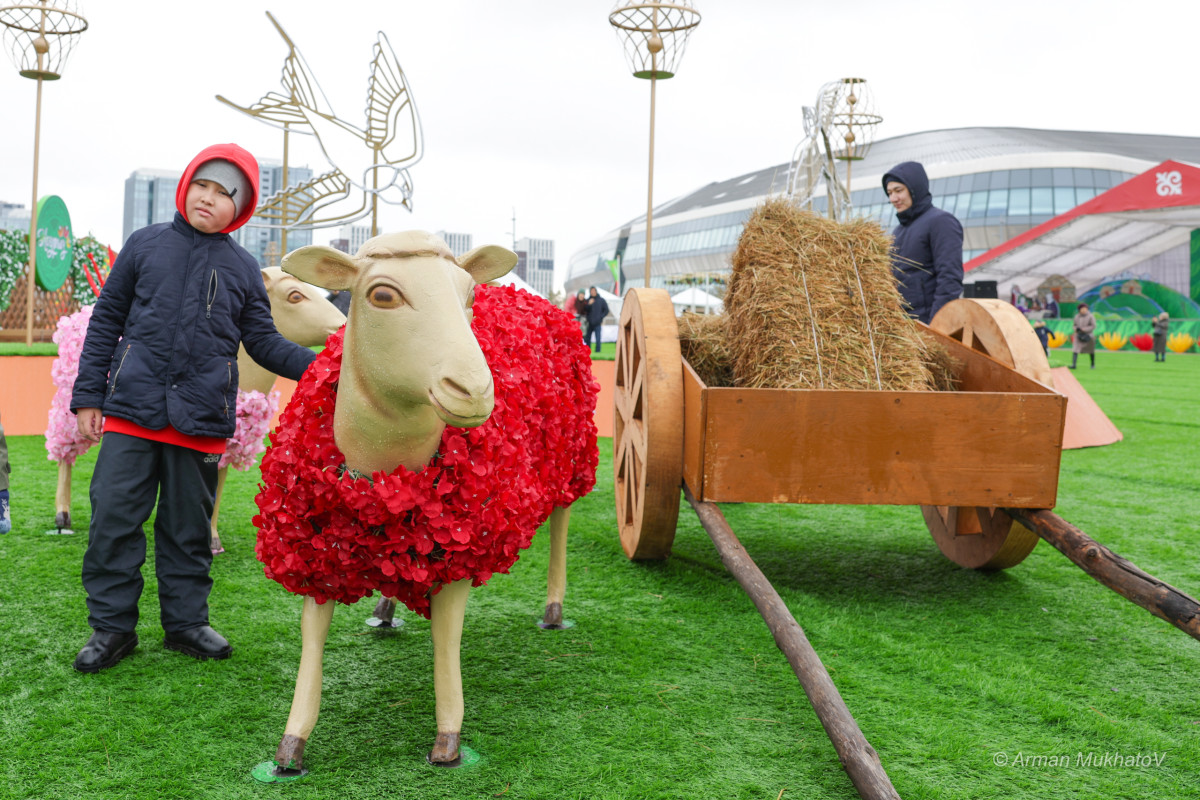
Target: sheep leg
[(385, 612), (448, 607), (306, 703), (62, 497), (214, 539), (556, 583)]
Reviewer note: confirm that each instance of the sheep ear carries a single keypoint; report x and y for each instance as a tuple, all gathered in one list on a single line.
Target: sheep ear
[(488, 262), (271, 276), (321, 266)]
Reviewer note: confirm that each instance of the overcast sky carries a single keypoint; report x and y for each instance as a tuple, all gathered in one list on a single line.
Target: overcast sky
[(528, 106)]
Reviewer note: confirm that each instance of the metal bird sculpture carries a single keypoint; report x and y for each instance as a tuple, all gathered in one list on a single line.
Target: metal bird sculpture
[(361, 175)]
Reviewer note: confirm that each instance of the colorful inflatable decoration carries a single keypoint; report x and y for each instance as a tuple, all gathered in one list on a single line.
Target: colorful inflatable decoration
[(1057, 339), (1142, 341), (1112, 341), (1180, 342)]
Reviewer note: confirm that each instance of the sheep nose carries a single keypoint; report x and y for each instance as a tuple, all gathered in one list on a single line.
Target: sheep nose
[(456, 389)]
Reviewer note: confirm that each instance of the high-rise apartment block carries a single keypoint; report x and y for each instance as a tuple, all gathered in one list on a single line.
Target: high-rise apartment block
[(355, 235), (265, 243), (459, 243), (535, 264), (150, 198), (13, 217)]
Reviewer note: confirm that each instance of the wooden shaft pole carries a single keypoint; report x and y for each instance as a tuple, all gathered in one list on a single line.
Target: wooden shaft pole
[(858, 758), (1160, 599)]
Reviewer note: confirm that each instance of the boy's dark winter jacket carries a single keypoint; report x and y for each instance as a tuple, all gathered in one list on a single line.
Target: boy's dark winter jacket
[(163, 339)]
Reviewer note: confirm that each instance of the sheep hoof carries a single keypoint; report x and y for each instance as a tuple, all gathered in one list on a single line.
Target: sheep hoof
[(553, 619), (288, 764), (445, 751), (62, 520), (384, 614)]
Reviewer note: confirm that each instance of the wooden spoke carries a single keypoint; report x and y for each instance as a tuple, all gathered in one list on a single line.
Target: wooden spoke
[(986, 538), (648, 424)]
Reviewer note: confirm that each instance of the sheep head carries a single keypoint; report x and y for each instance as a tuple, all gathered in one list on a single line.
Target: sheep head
[(301, 312), (408, 335)]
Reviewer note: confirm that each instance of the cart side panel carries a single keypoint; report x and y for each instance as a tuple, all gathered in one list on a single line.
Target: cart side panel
[(864, 447), (694, 408), (979, 372)]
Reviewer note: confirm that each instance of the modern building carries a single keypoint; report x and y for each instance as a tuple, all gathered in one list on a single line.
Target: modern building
[(355, 236), (149, 199), (13, 217), (459, 243), (999, 182), (535, 264), (266, 243)]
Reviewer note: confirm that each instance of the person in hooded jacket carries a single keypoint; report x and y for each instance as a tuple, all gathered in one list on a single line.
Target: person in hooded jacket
[(158, 379), (926, 245)]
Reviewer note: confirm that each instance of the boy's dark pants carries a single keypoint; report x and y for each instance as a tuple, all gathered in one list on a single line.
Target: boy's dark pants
[(125, 484)]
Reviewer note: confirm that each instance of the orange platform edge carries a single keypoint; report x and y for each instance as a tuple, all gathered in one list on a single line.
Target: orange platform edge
[(26, 390)]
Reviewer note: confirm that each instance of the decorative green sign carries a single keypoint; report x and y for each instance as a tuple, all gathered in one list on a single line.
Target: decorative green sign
[(54, 250)]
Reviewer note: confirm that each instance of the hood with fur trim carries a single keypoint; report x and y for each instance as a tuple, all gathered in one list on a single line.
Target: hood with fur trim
[(238, 156)]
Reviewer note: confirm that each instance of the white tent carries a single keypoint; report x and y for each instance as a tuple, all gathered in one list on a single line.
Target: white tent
[(512, 279), (697, 300), (614, 303)]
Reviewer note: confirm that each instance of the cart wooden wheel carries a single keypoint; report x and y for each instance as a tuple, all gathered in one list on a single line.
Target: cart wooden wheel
[(648, 424), (987, 538)]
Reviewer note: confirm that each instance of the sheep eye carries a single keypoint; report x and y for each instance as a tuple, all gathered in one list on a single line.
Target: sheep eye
[(385, 297), (295, 296)]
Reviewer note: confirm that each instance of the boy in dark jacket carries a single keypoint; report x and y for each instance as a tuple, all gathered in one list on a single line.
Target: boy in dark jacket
[(158, 377), (926, 245)]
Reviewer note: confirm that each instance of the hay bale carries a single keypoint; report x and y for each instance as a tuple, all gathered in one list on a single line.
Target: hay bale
[(812, 304), (702, 338)]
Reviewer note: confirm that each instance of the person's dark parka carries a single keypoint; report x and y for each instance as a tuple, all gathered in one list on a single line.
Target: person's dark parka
[(926, 246)]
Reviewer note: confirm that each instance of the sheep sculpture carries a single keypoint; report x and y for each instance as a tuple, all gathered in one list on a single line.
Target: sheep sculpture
[(301, 313), (420, 452)]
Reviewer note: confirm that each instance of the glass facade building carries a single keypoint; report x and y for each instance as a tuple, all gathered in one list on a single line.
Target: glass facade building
[(999, 182), (150, 198)]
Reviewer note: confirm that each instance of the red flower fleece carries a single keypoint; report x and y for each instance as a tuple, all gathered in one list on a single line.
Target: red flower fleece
[(326, 534)]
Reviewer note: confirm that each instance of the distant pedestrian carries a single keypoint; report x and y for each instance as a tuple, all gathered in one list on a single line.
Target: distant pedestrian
[(1162, 326), (597, 310), (1043, 334), (5, 514), (1085, 339)]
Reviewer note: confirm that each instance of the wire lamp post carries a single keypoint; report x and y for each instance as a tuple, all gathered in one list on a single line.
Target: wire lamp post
[(654, 36), (854, 119), (39, 37), (840, 127)]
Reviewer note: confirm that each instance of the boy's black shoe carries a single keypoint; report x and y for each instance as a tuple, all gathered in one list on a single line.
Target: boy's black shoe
[(104, 650), (202, 643)]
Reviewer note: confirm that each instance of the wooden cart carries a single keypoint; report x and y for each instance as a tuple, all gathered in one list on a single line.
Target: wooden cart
[(962, 455), (982, 463)]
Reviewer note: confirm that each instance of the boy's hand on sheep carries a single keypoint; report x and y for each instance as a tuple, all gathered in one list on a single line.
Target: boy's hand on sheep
[(89, 422)]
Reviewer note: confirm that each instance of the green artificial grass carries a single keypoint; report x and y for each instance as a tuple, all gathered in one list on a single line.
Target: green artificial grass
[(22, 349), (1034, 682)]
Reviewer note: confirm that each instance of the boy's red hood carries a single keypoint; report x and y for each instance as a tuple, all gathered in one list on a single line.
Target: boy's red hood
[(242, 159)]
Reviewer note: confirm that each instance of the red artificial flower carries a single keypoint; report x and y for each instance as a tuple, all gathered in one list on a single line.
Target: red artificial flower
[(329, 535)]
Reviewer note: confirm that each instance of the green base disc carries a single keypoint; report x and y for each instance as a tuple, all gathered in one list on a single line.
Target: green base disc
[(268, 772), (466, 758), (566, 623)]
